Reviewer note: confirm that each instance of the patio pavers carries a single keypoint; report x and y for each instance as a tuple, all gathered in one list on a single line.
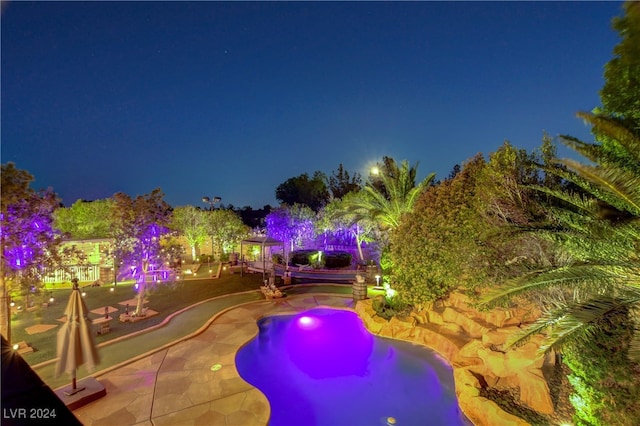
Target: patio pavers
[(180, 385)]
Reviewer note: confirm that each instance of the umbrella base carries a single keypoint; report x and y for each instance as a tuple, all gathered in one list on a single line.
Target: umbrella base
[(70, 392), (87, 390)]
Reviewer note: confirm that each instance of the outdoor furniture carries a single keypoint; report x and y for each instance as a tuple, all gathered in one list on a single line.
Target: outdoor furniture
[(103, 325)]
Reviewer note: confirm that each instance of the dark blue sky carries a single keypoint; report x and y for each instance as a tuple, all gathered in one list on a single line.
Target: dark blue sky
[(232, 99)]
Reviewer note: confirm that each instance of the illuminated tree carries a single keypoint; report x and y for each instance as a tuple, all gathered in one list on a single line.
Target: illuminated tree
[(336, 219), (85, 219), (139, 229), (29, 244), (226, 229), (192, 224), (291, 224)]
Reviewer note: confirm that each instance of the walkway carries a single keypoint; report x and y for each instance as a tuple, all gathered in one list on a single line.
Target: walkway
[(184, 372)]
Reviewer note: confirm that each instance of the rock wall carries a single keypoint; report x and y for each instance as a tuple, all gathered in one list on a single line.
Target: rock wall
[(471, 341)]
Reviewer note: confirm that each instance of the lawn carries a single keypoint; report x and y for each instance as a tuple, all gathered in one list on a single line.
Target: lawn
[(164, 298)]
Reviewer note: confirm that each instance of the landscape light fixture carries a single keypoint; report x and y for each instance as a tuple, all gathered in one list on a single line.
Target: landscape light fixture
[(377, 287)]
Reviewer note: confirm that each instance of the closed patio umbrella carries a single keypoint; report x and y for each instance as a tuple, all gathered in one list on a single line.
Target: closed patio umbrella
[(76, 345)]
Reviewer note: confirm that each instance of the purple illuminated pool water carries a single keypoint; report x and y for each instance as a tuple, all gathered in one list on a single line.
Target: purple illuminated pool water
[(322, 367)]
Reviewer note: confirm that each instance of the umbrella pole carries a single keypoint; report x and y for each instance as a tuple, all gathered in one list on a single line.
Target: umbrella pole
[(74, 389)]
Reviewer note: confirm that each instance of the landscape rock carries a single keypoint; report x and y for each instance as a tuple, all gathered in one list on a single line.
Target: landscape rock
[(472, 342)]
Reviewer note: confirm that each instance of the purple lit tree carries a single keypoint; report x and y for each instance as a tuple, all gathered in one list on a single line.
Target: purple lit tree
[(141, 234), (29, 244), (291, 224)]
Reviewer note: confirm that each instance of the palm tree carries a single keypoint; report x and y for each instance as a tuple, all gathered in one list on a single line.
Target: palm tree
[(597, 226), (386, 200)]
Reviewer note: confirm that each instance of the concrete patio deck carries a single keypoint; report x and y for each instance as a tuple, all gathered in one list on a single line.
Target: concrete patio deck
[(195, 381)]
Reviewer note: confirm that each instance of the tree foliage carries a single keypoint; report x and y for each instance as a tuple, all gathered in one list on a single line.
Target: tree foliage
[(463, 232), (311, 192), (335, 218), (85, 219), (599, 229), (620, 95), (391, 195), (139, 227), (292, 224), (192, 224), (436, 247), (341, 182), (226, 229), (29, 243)]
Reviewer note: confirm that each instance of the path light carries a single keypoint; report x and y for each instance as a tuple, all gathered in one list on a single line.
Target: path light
[(16, 347), (377, 287), (84, 293)]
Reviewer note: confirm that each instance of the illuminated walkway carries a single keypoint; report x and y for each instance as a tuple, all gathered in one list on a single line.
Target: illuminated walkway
[(191, 378)]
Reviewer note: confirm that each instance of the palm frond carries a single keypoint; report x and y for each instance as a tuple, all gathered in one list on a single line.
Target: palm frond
[(617, 187), (572, 323), (592, 278), (617, 133)]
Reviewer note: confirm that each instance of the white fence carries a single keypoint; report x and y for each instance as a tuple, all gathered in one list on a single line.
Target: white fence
[(83, 273)]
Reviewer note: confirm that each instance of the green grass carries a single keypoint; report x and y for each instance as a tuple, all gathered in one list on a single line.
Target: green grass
[(165, 299)]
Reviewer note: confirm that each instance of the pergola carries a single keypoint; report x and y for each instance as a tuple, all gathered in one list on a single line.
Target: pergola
[(262, 242)]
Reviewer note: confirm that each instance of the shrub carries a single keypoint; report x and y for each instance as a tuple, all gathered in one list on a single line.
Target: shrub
[(337, 259), (329, 259)]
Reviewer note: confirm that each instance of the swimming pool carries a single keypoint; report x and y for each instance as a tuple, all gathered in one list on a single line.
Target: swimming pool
[(322, 367)]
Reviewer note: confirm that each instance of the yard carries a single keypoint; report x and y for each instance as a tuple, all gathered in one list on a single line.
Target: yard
[(164, 298)]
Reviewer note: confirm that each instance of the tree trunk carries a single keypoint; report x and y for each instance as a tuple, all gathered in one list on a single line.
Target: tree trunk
[(359, 245), (142, 285), (5, 308)]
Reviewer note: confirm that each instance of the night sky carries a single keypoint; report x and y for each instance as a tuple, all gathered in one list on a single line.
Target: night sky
[(232, 99)]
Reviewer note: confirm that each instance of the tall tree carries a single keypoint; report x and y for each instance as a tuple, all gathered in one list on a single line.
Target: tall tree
[(341, 182), (29, 244), (620, 95), (192, 223), (139, 226), (226, 229), (311, 192)]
